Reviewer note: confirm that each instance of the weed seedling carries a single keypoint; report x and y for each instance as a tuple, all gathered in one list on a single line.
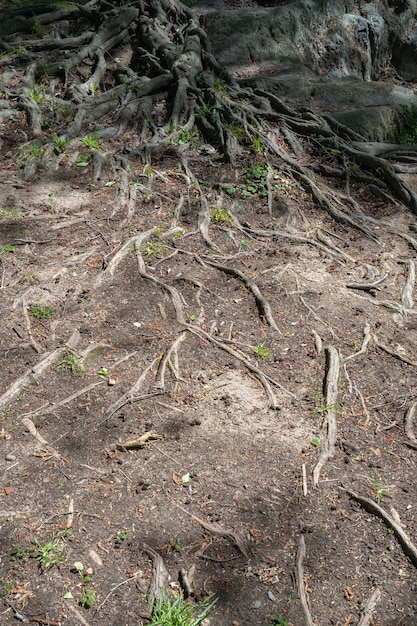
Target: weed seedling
[(51, 552), (180, 613), (262, 351), (59, 144), (8, 248), (41, 312), (90, 141), (279, 621), (151, 248), (380, 490), (88, 598), (123, 535), (71, 361), (221, 215)]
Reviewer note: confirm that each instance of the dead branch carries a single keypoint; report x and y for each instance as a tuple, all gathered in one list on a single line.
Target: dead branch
[(372, 507), (329, 427), (32, 375), (301, 553)]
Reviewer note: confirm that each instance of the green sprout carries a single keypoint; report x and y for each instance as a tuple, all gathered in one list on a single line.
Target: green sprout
[(91, 141), (71, 361), (151, 248), (60, 145), (262, 351), (380, 489), (123, 535), (51, 552), (41, 312), (180, 613), (221, 215), (88, 598)]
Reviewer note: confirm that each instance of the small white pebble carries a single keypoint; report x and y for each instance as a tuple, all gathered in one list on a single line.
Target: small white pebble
[(137, 324), (408, 507)]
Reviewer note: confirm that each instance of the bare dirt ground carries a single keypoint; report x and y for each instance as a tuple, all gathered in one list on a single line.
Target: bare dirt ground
[(95, 354)]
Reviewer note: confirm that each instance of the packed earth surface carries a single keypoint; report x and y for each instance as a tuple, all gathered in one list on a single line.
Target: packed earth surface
[(208, 384)]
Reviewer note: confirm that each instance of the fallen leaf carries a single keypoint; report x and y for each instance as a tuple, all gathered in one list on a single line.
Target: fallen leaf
[(8, 490)]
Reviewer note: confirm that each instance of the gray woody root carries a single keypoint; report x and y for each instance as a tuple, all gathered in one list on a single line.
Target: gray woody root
[(329, 428), (372, 507)]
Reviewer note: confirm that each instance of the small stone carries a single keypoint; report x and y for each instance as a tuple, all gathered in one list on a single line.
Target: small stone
[(271, 596), (10, 457), (257, 604)]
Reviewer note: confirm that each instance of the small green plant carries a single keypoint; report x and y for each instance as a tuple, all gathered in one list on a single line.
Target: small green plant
[(8, 248), (221, 215), (279, 621), (180, 613), (88, 598), (8, 587), (315, 442), (244, 243), (409, 134), (41, 312), (183, 136), (91, 141), (71, 361), (51, 552), (37, 94), (123, 535), (42, 70), (257, 144), (38, 29), (236, 130), (381, 490), (33, 150), (60, 145), (151, 248), (83, 160), (219, 87), (262, 351)]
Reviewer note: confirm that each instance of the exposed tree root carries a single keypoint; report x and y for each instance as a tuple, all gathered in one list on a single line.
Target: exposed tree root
[(264, 378), (301, 553), (407, 294), (170, 359), (372, 507), (367, 337), (369, 608), (131, 395), (397, 355), (158, 590), (263, 305), (409, 425), (33, 374), (215, 529), (329, 428)]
